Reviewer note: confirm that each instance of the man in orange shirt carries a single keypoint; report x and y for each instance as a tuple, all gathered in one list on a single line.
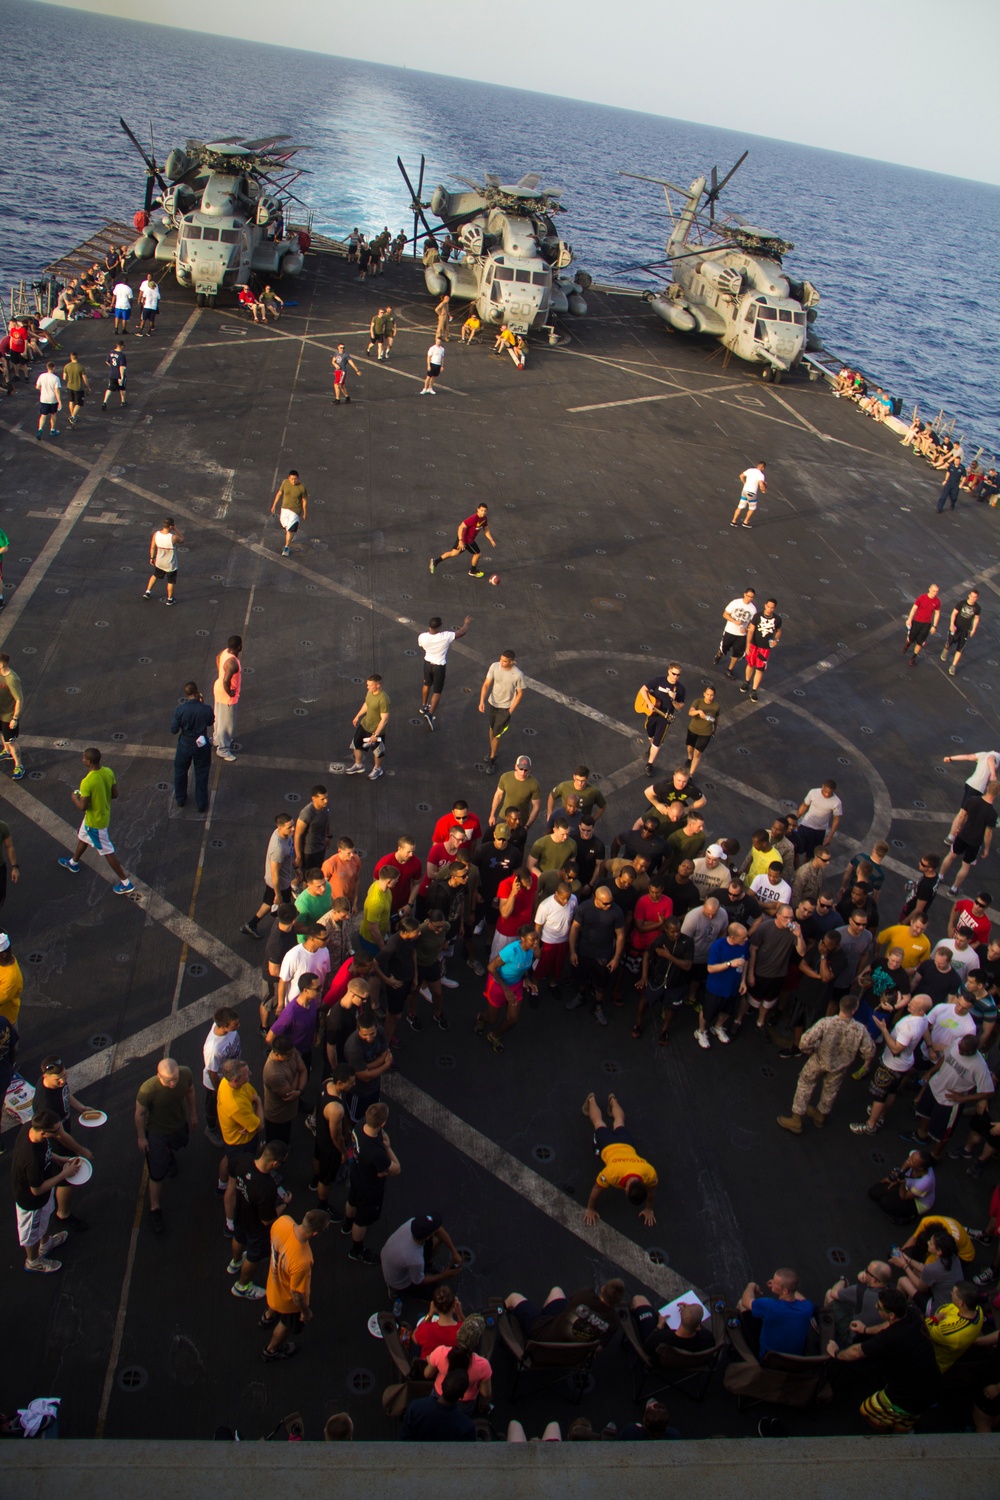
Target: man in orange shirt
[(289, 1280), (342, 870)]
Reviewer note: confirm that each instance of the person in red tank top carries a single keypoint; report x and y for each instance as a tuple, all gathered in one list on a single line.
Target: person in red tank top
[(467, 540), (226, 695)]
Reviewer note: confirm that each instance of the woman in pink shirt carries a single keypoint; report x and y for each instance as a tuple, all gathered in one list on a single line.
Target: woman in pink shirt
[(463, 1357)]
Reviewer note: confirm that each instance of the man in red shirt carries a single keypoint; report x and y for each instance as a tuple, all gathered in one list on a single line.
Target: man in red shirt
[(408, 867), (649, 919), (515, 903), (971, 918), (459, 817), (441, 855), (922, 621), (467, 540)]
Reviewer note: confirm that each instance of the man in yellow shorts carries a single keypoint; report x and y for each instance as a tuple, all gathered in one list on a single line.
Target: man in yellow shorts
[(622, 1166)]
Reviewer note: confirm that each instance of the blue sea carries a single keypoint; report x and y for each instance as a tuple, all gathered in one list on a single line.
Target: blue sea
[(906, 262)]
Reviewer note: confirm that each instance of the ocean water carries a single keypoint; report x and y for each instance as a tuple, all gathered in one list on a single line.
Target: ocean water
[(906, 262)]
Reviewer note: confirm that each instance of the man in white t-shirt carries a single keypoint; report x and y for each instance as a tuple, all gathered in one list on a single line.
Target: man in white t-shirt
[(964, 957), (819, 817), (311, 956), (737, 614), (771, 889), (435, 359), (49, 388), (123, 305), (435, 643), (553, 920), (754, 482), (963, 1077), (149, 294), (896, 1061)]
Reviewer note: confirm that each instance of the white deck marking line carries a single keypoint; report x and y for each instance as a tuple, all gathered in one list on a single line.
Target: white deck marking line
[(557, 1206), (178, 344), (920, 815), (126, 751), (825, 436), (153, 905), (642, 400)]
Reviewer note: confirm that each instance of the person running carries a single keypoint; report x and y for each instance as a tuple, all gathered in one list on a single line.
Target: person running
[(763, 634), (962, 627), (922, 621), (659, 698), (754, 482), (94, 797), (435, 644), (226, 695), (122, 294), (974, 834), (74, 378), (435, 360), (192, 723), (11, 707), (503, 689), (738, 615), (292, 498), (117, 363), (149, 296), (49, 388), (163, 546), (388, 332), (340, 362), (467, 540), (370, 723)]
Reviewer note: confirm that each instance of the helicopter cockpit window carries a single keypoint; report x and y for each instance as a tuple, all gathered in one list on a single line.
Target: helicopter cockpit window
[(768, 312), (191, 232), (505, 273), (522, 276), (230, 236), (784, 314), (540, 278), (799, 318), (751, 312), (209, 234)]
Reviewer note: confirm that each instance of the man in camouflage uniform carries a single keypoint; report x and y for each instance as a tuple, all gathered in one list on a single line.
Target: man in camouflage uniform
[(833, 1045)]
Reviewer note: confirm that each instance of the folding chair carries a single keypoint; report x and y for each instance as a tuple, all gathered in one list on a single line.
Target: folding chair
[(784, 1379), (675, 1368), (558, 1361)]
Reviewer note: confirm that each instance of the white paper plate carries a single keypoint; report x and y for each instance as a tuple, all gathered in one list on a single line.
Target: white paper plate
[(101, 1119), (83, 1173), (373, 1327)]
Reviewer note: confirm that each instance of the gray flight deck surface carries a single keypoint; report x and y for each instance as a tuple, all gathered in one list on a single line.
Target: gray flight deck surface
[(610, 467)]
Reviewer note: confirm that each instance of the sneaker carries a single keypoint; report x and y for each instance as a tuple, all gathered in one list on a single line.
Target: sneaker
[(225, 755), (432, 565), (442, 1022), (951, 671), (986, 1277), (426, 994), (753, 697), (913, 1138), (574, 1004), (70, 864), (430, 721), (719, 1032), (78, 1226), (249, 1291), (363, 1256), (147, 595), (123, 888), (599, 1015), (744, 687), (960, 1153), (944, 654), (375, 772), (42, 1266), (170, 601), (479, 926), (423, 710), (286, 552), (234, 1267), (415, 1023), (649, 769), (953, 890), (975, 1169), (19, 774), (249, 930), (490, 767), (980, 1236), (5, 755), (346, 1226), (494, 1042), (701, 1037), (948, 840), (861, 1128), (476, 573), (716, 658), (355, 771), (786, 1052), (476, 967), (156, 1223), (283, 1351), (449, 984), (53, 1241)]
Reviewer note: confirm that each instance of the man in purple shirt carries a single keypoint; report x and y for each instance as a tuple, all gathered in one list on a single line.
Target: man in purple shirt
[(298, 1018)]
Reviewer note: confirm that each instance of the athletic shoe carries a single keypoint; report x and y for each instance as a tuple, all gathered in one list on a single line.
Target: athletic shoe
[(42, 1266), (716, 658), (283, 1351), (249, 1291), (861, 1128), (234, 1267), (753, 696), (479, 926), (490, 768), (599, 1015), (442, 1022), (79, 1226), (574, 1004), (476, 967), (355, 770), (449, 984), (375, 773), (156, 1223), (225, 755), (476, 573), (147, 595), (433, 562), (734, 524), (70, 864), (786, 1052), (720, 1033), (980, 1237), (5, 755), (744, 687), (170, 601), (960, 1153), (649, 769), (55, 1240), (250, 931), (426, 994), (953, 890), (429, 721), (123, 888), (944, 654), (423, 710), (363, 1256), (986, 1277), (951, 671), (701, 1037), (913, 1138), (948, 840), (286, 552), (415, 1023), (975, 1169), (56, 431), (494, 1042), (19, 774)]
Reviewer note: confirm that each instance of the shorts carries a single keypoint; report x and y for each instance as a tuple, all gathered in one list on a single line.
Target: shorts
[(939, 1117), (656, 727), (713, 1006), (750, 501), (76, 397), (256, 1242), (123, 313), (529, 1313), (286, 893), (632, 960), (591, 971), (434, 672), (8, 732), (33, 1223), (361, 734), (171, 577), (149, 314), (115, 383), (329, 1166), (959, 639), (919, 631), (671, 999), (757, 657), (429, 973), (495, 996), (968, 853), (605, 1136), (365, 946), (697, 742), (289, 519), (367, 1211), (339, 376), (472, 546), (277, 1130), (806, 1010), (552, 961), (499, 721), (48, 408), (735, 645), (211, 1110), (97, 838), (767, 988), (433, 371), (160, 1152), (395, 1000), (885, 1082), (809, 839), (292, 1321)]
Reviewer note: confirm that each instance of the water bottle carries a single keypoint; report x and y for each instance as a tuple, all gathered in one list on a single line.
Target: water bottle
[(397, 1308)]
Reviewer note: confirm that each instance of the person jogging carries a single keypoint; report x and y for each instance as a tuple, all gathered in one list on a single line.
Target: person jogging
[(291, 503), (94, 797), (163, 546), (340, 362), (435, 644), (467, 540), (754, 482)]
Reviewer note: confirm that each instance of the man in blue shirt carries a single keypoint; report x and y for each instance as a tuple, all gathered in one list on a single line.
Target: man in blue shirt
[(192, 723), (505, 985), (440, 1419), (782, 1320), (727, 960)]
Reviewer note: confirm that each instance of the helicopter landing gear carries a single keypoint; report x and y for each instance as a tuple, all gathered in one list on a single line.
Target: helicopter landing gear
[(206, 299), (201, 299), (769, 373)]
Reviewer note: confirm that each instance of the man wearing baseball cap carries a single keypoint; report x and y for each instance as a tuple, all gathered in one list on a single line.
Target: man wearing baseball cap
[(711, 873), (517, 789), (408, 1255)]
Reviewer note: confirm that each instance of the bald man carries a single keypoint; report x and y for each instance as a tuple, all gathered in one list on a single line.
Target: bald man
[(165, 1115)]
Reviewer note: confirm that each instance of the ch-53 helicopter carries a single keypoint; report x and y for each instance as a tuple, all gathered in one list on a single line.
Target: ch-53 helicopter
[(512, 258), (222, 212), (728, 281)]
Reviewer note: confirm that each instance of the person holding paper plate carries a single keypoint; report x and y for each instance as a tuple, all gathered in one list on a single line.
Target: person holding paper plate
[(52, 1092)]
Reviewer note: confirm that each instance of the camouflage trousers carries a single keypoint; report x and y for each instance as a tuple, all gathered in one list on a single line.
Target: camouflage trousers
[(811, 1074)]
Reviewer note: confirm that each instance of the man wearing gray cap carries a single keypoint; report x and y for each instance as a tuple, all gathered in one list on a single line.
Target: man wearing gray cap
[(517, 789), (502, 691), (408, 1255)]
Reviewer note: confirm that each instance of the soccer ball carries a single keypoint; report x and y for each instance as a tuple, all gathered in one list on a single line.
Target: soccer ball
[(495, 579)]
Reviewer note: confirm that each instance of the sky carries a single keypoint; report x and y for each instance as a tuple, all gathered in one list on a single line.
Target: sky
[(899, 83)]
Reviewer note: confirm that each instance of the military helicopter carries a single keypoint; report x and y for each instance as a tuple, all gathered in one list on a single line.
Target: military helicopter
[(511, 254), (222, 212), (727, 281)]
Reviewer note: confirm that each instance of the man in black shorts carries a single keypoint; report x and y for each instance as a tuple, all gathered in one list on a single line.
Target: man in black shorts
[(116, 362), (435, 643), (661, 696), (596, 941), (738, 615), (973, 834), (397, 964), (371, 1165), (962, 627), (259, 1201), (165, 1116), (467, 540), (666, 971), (333, 1123)]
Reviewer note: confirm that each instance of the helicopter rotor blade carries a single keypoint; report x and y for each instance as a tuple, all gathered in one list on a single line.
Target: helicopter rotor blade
[(713, 194), (420, 190), (417, 206), (732, 171), (660, 181), (151, 166)]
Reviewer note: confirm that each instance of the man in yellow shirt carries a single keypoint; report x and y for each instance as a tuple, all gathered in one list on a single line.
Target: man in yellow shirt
[(241, 1119), (957, 1325), (470, 328), (761, 857), (11, 981), (912, 938), (623, 1167)]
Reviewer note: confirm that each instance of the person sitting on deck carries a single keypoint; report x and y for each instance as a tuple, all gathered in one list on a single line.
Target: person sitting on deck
[(913, 433)]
